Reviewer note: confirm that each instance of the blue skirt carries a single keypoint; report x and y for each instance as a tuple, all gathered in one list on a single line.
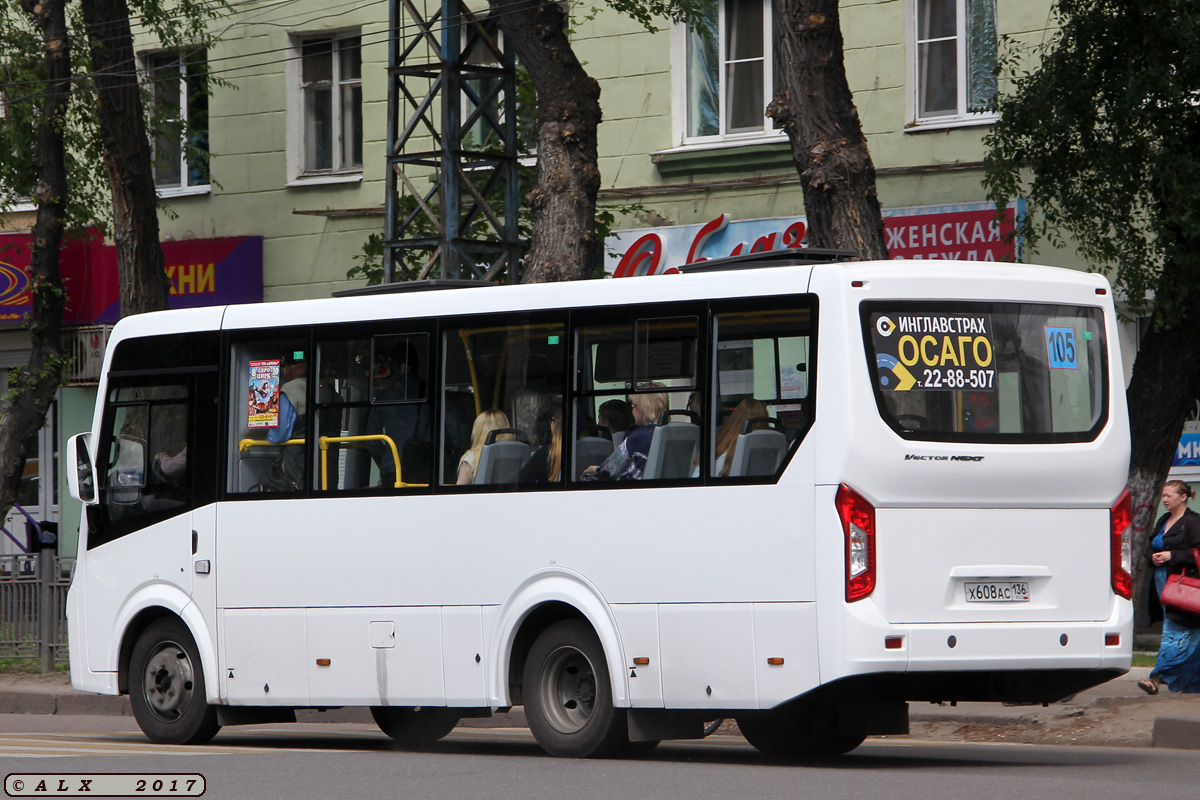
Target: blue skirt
[(1178, 663)]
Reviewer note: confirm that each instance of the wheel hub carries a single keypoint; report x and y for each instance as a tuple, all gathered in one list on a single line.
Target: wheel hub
[(169, 681), (568, 690)]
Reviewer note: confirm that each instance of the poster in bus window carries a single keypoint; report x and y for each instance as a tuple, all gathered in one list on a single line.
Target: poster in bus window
[(264, 394), (946, 351)]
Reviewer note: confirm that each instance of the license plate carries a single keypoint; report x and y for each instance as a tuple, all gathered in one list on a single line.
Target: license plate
[(998, 592)]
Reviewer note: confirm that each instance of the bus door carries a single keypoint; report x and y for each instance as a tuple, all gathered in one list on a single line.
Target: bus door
[(152, 459)]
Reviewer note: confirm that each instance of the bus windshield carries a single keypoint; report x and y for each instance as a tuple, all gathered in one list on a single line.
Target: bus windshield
[(988, 372)]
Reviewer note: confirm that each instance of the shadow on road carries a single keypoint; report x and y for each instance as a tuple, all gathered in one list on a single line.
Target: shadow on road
[(871, 756)]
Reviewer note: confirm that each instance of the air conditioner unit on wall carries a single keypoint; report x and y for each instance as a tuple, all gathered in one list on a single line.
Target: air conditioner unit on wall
[(85, 347)]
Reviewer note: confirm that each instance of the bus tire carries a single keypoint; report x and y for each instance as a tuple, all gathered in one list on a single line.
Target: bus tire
[(568, 694), (415, 727), (791, 736), (166, 686)]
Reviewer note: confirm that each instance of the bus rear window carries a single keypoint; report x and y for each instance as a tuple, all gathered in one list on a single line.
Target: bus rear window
[(988, 372)]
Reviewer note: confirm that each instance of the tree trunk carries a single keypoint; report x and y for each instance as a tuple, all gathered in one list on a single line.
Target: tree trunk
[(143, 283), (563, 203), (814, 106), (1158, 405), (33, 387)]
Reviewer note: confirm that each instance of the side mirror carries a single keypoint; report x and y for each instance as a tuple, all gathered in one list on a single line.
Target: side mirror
[(128, 475), (81, 481)]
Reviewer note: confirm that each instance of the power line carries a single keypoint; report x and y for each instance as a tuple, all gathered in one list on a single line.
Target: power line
[(291, 55)]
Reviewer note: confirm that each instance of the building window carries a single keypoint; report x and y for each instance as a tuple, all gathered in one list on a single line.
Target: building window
[(179, 87), (729, 72), (955, 69), (331, 87)]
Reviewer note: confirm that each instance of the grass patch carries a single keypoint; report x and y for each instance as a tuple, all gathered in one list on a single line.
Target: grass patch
[(27, 666), (1144, 659)]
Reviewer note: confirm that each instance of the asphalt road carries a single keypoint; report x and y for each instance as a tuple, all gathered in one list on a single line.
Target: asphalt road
[(354, 761)]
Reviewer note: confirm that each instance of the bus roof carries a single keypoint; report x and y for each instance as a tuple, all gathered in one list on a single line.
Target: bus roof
[(702, 285)]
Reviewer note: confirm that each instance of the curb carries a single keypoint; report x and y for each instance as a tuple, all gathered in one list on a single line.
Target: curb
[(80, 703), (1181, 731)]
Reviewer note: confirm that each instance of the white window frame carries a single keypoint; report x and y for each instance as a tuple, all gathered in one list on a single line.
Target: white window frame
[(961, 117), (298, 174), (148, 66), (679, 89)]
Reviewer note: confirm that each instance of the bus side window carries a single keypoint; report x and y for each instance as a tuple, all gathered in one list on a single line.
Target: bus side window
[(144, 472), (636, 386), (269, 407), (374, 416), (763, 401), (502, 401)]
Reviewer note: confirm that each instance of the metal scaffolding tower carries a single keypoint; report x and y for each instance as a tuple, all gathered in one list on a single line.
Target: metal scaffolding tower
[(452, 191)]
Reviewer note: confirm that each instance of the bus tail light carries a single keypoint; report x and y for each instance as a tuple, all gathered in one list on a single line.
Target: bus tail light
[(1121, 545), (858, 525)]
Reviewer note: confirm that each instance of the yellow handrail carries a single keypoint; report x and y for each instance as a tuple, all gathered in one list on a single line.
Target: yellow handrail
[(245, 444), (324, 442)]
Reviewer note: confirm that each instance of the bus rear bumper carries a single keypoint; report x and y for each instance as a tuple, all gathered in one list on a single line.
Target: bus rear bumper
[(1001, 661), (1000, 646)]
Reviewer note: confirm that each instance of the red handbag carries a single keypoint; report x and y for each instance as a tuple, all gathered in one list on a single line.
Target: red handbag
[(1181, 592)]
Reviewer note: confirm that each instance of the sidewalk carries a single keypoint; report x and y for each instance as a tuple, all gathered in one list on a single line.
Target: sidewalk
[(1114, 714)]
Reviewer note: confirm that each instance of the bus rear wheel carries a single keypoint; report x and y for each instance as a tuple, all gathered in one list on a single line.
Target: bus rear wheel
[(166, 686), (568, 694), (784, 735), (415, 727)]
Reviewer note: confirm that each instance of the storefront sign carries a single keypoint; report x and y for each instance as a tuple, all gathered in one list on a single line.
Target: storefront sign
[(968, 231), (1187, 454), (203, 272)]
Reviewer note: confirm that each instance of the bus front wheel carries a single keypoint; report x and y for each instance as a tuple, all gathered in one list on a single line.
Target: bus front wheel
[(166, 686), (415, 727), (568, 694)]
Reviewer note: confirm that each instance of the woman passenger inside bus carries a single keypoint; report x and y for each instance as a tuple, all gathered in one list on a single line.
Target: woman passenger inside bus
[(546, 462), (485, 423), (727, 437), (628, 461)]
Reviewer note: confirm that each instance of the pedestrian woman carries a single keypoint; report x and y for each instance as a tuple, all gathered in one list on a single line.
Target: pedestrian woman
[(1175, 534)]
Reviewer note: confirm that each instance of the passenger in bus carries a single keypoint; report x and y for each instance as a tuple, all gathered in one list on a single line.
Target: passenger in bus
[(628, 461), (617, 416), (407, 424), (727, 437), (546, 462), (485, 423), (1170, 552)]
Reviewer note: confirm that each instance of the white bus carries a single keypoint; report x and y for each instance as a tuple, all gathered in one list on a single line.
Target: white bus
[(863, 485)]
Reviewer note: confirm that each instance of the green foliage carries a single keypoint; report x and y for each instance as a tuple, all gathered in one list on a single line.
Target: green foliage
[(1102, 139), (370, 261), (646, 11), (22, 73), (178, 26)]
